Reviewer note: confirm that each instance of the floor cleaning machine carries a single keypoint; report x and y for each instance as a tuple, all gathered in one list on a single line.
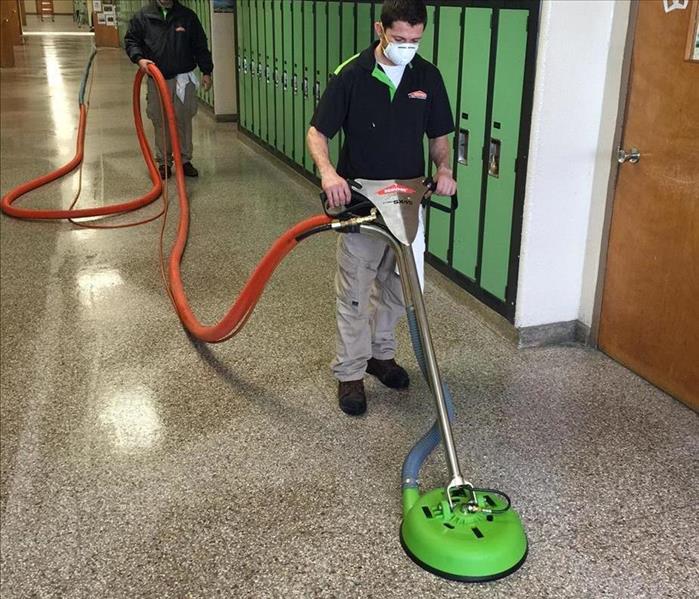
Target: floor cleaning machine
[(459, 532)]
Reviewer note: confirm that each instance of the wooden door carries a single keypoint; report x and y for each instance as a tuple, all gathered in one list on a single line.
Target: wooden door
[(649, 318)]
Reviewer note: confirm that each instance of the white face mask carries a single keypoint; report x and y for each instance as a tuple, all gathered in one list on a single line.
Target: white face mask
[(400, 53)]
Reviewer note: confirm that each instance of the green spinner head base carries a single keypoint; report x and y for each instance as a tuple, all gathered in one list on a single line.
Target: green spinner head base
[(464, 541)]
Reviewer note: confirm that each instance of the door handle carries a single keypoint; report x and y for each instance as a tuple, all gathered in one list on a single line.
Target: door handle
[(633, 156)]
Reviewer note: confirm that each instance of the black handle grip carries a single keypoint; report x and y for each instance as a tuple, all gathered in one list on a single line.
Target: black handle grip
[(359, 205)]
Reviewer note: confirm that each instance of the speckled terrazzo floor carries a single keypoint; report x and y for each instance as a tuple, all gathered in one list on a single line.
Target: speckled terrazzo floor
[(136, 463)]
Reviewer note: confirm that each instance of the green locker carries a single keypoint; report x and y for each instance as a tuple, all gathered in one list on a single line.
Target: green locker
[(365, 27), (321, 65), (502, 150), (254, 79), (261, 67), (334, 61), (297, 8), (242, 64), (277, 77), (347, 30), (308, 76), (426, 50), (287, 77), (269, 72), (449, 44), (471, 133)]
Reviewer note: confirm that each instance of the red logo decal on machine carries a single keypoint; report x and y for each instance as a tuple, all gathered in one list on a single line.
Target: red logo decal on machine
[(394, 189)]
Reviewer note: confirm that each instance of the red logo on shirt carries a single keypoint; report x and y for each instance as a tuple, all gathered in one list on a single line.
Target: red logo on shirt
[(394, 189), (418, 95)]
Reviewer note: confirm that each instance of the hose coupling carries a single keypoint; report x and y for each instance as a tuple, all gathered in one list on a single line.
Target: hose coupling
[(354, 221)]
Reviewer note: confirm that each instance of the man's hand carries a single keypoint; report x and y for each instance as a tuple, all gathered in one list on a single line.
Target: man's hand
[(336, 188), (143, 64), (206, 82), (445, 185)]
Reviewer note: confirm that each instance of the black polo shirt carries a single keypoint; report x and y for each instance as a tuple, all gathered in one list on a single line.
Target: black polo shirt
[(384, 127)]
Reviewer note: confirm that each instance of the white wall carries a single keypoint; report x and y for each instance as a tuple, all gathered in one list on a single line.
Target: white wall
[(224, 56), (574, 115)]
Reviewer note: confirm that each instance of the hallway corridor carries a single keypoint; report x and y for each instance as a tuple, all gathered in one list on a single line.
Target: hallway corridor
[(139, 463)]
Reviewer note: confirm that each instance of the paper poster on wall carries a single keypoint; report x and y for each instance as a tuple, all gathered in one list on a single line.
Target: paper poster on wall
[(671, 5), (224, 5), (101, 20), (109, 9), (111, 20), (97, 5)]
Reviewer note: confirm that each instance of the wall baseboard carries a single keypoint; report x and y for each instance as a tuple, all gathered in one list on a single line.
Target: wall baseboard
[(555, 333), (226, 118)]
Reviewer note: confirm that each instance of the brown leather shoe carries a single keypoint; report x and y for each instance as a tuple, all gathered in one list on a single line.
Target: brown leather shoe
[(389, 373), (352, 397)]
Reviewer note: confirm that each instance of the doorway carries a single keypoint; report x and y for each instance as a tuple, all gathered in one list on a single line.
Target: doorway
[(649, 319)]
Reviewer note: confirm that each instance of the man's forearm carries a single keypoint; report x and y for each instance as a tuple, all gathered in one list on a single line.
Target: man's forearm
[(318, 147), (440, 153)]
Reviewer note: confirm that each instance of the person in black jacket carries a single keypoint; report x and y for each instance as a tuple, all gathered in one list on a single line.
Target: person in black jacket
[(170, 36)]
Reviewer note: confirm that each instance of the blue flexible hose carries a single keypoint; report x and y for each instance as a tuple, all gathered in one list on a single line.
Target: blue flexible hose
[(424, 447), (86, 73)]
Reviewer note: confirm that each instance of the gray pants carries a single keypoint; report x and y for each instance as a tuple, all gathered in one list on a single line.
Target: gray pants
[(184, 113), (369, 304)]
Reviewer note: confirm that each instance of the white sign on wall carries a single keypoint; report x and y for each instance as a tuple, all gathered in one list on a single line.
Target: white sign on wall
[(671, 5)]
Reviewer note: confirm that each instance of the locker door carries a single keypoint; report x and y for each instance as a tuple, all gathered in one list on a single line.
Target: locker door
[(321, 50), (502, 151), (448, 61), (426, 50), (287, 77), (347, 31), (334, 61), (298, 81), (242, 64), (365, 27), (471, 133), (308, 76), (254, 78), (261, 66), (277, 76), (269, 72)]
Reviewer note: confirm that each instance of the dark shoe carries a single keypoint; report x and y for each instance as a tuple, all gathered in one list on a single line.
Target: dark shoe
[(389, 373), (165, 171), (189, 170), (352, 397)]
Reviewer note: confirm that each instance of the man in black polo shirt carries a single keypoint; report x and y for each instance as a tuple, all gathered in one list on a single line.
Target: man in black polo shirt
[(170, 35), (385, 99)]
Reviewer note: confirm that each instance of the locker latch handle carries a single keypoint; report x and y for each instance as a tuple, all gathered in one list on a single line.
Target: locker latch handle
[(462, 149), (494, 157), (253, 68), (268, 73), (285, 80), (259, 69), (240, 63), (245, 66), (316, 91), (305, 87), (276, 77), (295, 83)]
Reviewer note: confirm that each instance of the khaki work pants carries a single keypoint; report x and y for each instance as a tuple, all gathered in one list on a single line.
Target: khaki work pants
[(370, 303), (184, 113)]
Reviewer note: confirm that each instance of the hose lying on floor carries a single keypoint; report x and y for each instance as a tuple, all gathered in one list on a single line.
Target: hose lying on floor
[(237, 315)]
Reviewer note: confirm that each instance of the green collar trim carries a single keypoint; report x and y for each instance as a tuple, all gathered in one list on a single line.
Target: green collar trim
[(379, 74), (344, 64)]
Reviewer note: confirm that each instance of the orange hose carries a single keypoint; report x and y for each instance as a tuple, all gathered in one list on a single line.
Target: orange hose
[(240, 311), (14, 194)]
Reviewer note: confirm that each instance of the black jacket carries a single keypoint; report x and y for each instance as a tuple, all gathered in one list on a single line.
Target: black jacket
[(176, 45)]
